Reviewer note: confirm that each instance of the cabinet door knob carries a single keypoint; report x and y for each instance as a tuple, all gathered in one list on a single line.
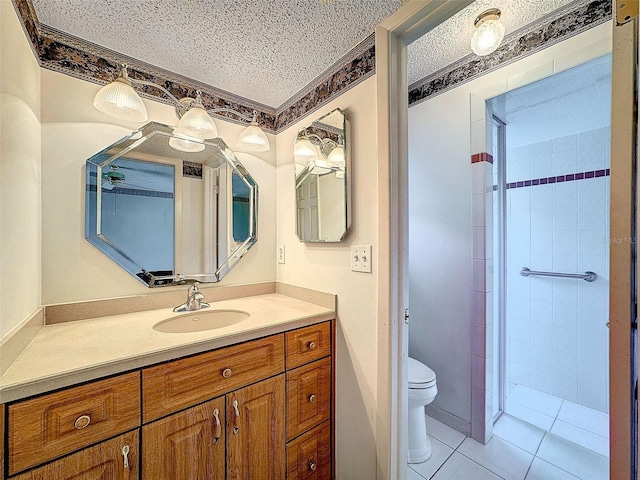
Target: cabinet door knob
[(312, 466), (226, 373), (218, 427), (312, 345), (82, 421), (312, 398)]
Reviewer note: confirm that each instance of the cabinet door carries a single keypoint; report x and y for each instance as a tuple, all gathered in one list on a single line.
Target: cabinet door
[(186, 445), (255, 431), (115, 459)]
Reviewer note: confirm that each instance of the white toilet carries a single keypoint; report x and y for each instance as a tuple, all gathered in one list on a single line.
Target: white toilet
[(422, 391)]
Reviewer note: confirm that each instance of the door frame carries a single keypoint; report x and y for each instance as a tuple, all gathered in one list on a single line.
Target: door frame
[(411, 21)]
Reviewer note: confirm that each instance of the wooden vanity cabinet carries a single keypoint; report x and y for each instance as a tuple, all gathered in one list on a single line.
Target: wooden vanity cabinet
[(258, 410)]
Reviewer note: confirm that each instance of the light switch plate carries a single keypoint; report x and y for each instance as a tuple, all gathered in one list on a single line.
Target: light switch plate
[(280, 253), (361, 258)]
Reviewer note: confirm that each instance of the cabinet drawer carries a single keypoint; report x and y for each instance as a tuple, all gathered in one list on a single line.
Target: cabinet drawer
[(102, 461), (175, 385), (52, 425), (308, 397), (308, 344), (309, 456)]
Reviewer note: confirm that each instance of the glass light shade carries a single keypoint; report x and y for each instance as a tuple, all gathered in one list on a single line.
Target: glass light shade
[(487, 37), (304, 151), (197, 123), (118, 99), (185, 143), (320, 167), (253, 139), (336, 157)]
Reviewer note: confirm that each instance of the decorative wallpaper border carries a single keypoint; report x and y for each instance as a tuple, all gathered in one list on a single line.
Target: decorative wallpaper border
[(553, 28), (64, 53)]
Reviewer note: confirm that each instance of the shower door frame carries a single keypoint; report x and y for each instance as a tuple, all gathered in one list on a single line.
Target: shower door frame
[(501, 230)]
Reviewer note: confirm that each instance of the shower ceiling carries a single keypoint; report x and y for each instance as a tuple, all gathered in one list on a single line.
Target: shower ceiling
[(574, 101), (265, 51)]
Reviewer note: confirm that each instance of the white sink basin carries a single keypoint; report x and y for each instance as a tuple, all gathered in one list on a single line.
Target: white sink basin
[(200, 321)]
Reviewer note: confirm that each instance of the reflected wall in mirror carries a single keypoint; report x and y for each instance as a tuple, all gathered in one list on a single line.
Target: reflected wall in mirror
[(322, 179), (168, 209)]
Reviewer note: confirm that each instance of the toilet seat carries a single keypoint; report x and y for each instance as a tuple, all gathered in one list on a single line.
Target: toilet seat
[(420, 376)]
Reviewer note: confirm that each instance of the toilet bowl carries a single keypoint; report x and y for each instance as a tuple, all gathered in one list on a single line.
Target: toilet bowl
[(422, 391)]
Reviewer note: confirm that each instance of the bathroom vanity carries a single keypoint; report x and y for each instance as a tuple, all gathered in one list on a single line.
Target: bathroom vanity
[(249, 400)]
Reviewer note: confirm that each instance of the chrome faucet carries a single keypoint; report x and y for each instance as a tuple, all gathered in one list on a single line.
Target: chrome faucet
[(194, 300)]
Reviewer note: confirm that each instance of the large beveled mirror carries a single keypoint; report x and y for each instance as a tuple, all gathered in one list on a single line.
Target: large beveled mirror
[(169, 209), (323, 178)]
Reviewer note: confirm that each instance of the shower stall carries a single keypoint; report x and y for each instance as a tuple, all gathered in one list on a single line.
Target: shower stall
[(551, 150)]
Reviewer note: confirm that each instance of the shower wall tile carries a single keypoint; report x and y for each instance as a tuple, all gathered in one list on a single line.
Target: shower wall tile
[(565, 388), (541, 380), (558, 221)]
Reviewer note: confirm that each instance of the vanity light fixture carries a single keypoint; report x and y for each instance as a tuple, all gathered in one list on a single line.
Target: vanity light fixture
[(489, 32), (305, 152), (184, 143), (118, 99)]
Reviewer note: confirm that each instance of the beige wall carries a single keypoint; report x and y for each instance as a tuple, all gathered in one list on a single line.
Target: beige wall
[(20, 213), (327, 267), (72, 131)]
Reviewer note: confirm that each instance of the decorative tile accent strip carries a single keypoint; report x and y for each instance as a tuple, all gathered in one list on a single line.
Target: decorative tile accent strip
[(482, 157), (133, 192), (553, 28), (560, 178)]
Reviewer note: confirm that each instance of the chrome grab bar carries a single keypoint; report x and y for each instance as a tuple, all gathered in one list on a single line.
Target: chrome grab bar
[(588, 276)]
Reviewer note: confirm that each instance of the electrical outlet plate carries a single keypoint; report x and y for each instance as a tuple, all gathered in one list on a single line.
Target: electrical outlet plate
[(280, 253), (361, 259)]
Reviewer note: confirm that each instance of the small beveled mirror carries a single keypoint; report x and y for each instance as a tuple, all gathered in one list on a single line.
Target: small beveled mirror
[(322, 179), (168, 209)]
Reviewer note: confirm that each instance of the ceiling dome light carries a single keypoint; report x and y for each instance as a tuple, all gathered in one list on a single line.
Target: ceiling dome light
[(184, 143), (489, 32), (253, 138), (197, 123), (118, 99), (304, 151)]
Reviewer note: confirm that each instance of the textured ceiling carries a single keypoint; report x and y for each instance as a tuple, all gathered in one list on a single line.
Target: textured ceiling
[(450, 41), (265, 51)]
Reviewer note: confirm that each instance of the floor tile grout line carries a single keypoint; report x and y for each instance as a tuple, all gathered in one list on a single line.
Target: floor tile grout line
[(480, 465)]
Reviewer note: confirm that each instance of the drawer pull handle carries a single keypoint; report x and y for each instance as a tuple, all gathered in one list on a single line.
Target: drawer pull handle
[(82, 421), (312, 398), (236, 427), (226, 373), (218, 433), (312, 466), (125, 454), (312, 345)]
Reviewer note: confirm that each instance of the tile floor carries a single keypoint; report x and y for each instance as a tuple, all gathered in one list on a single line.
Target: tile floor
[(517, 451), (584, 426)]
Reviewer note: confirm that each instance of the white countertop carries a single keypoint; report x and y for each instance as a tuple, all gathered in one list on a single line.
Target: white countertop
[(68, 353)]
